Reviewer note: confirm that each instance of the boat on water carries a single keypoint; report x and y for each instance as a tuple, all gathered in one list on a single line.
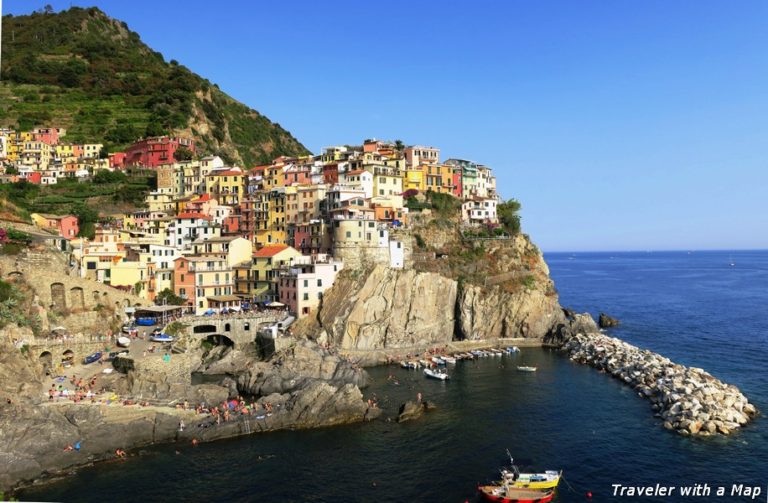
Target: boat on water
[(547, 480), (425, 363), (522, 368), (436, 374), (449, 359), (409, 365), (438, 360), (513, 349), (503, 493)]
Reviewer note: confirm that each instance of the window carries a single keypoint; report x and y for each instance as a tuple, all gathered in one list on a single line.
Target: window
[(306, 283), (181, 279), (319, 282), (349, 235), (306, 296)]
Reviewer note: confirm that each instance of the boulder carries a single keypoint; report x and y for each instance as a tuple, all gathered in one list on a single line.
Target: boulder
[(605, 321), (411, 410)]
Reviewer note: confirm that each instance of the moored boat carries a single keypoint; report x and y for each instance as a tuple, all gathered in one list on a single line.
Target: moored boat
[(123, 342), (547, 480), (526, 369), (507, 494), (436, 374), (449, 359), (438, 360)]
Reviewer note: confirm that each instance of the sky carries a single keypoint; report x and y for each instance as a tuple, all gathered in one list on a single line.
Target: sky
[(618, 125)]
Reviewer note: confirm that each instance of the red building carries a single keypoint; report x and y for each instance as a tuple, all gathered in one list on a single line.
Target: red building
[(117, 160), (184, 281), (49, 135), (153, 152), (296, 175), (457, 185), (35, 177), (331, 174), (65, 225)]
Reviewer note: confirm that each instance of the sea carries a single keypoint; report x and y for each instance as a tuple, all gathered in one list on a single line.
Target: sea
[(706, 309)]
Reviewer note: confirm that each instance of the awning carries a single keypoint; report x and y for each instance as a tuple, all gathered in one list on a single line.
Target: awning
[(224, 298)]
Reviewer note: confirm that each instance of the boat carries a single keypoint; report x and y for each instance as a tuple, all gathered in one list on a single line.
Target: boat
[(438, 360), (123, 342), (436, 374), (92, 358), (730, 260), (145, 322), (409, 365), (547, 480), (449, 359), (513, 349), (507, 494), (425, 363), (522, 368), (161, 338)]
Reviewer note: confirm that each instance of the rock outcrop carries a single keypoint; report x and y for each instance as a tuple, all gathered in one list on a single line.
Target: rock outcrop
[(688, 400), (411, 410), (387, 308), (491, 313), (605, 321), (294, 368)]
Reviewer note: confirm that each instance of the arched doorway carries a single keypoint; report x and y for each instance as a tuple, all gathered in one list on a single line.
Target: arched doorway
[(58, 297), (214, 340), (46, 358), (68, 357)]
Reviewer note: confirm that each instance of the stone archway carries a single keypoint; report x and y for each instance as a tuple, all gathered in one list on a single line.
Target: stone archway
[(68, 356), (218, 340), (15, 276), (58, 297), (76, 298), (46, 358)]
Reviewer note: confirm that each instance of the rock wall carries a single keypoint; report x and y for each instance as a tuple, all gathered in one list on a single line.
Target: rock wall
[(491, 313), (387, 308)]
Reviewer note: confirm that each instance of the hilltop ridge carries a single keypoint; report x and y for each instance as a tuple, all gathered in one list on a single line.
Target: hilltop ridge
[(89, 73)]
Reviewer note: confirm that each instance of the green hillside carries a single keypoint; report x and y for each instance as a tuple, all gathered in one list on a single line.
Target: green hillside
[(91, 74)]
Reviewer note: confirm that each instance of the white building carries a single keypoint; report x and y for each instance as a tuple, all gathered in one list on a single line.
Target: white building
[(479, 210)]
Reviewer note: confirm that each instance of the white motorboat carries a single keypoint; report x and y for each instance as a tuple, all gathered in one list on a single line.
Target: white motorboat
[(438, 360), (123, 342), (449, 359), (436, 374), (526, 369)]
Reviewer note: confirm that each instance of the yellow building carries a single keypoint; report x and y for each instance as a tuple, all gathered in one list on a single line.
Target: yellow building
[(438, 178), (36, 153), (132, 273), (273, 176), (270, 218), (413, 179), (226, 186), (159, 201), (257, 280)]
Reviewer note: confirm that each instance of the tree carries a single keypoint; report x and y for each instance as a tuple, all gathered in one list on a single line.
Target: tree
[(11, 170), (399, 145), (183, 154), (168, 297), (507, 213)]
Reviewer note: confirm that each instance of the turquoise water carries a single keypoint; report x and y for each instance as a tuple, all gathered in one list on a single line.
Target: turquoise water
[(694, 308)]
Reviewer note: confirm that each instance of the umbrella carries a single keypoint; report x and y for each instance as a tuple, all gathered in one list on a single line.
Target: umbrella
[(58, 329), (275, 304)]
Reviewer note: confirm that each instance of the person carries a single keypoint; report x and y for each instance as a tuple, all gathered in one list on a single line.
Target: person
[(418, 397), (166, 357)]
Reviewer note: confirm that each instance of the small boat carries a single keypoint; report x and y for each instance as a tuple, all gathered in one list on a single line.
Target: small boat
[(449, 359), (436, 374), (496, 352), (92, 358), (425, 363), (409, 365), (513, 349), (161, 338), (507, 494), (547, 480), (123, 342), (438, 360), (526, 369)]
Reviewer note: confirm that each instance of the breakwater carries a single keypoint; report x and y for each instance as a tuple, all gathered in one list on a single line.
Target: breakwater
[(689, 400)]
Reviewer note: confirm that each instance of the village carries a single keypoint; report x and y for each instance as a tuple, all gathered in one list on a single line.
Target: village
[(214, 237)]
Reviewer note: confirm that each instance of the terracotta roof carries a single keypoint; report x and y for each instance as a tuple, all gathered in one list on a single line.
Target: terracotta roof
[(270, 250), (202, 199), (192, 215), (356, 172)]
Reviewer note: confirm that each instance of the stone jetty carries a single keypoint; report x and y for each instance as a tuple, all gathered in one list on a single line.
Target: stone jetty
[(689, 400)]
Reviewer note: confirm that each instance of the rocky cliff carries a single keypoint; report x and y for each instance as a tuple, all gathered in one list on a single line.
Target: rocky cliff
[(481, 290)]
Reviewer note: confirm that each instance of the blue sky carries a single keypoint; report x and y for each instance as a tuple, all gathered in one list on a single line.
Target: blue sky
[(619, 125)]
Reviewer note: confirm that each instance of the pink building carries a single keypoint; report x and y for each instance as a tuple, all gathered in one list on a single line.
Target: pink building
[(457, 186), (46, 135), (297, 175), (302, 285), (153, 152), (65, 225)]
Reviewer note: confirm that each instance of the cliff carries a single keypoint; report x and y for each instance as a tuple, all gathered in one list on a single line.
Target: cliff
[(456, 290)]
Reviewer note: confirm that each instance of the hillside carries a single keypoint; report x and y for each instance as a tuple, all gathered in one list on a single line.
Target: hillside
[(91, 74)]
